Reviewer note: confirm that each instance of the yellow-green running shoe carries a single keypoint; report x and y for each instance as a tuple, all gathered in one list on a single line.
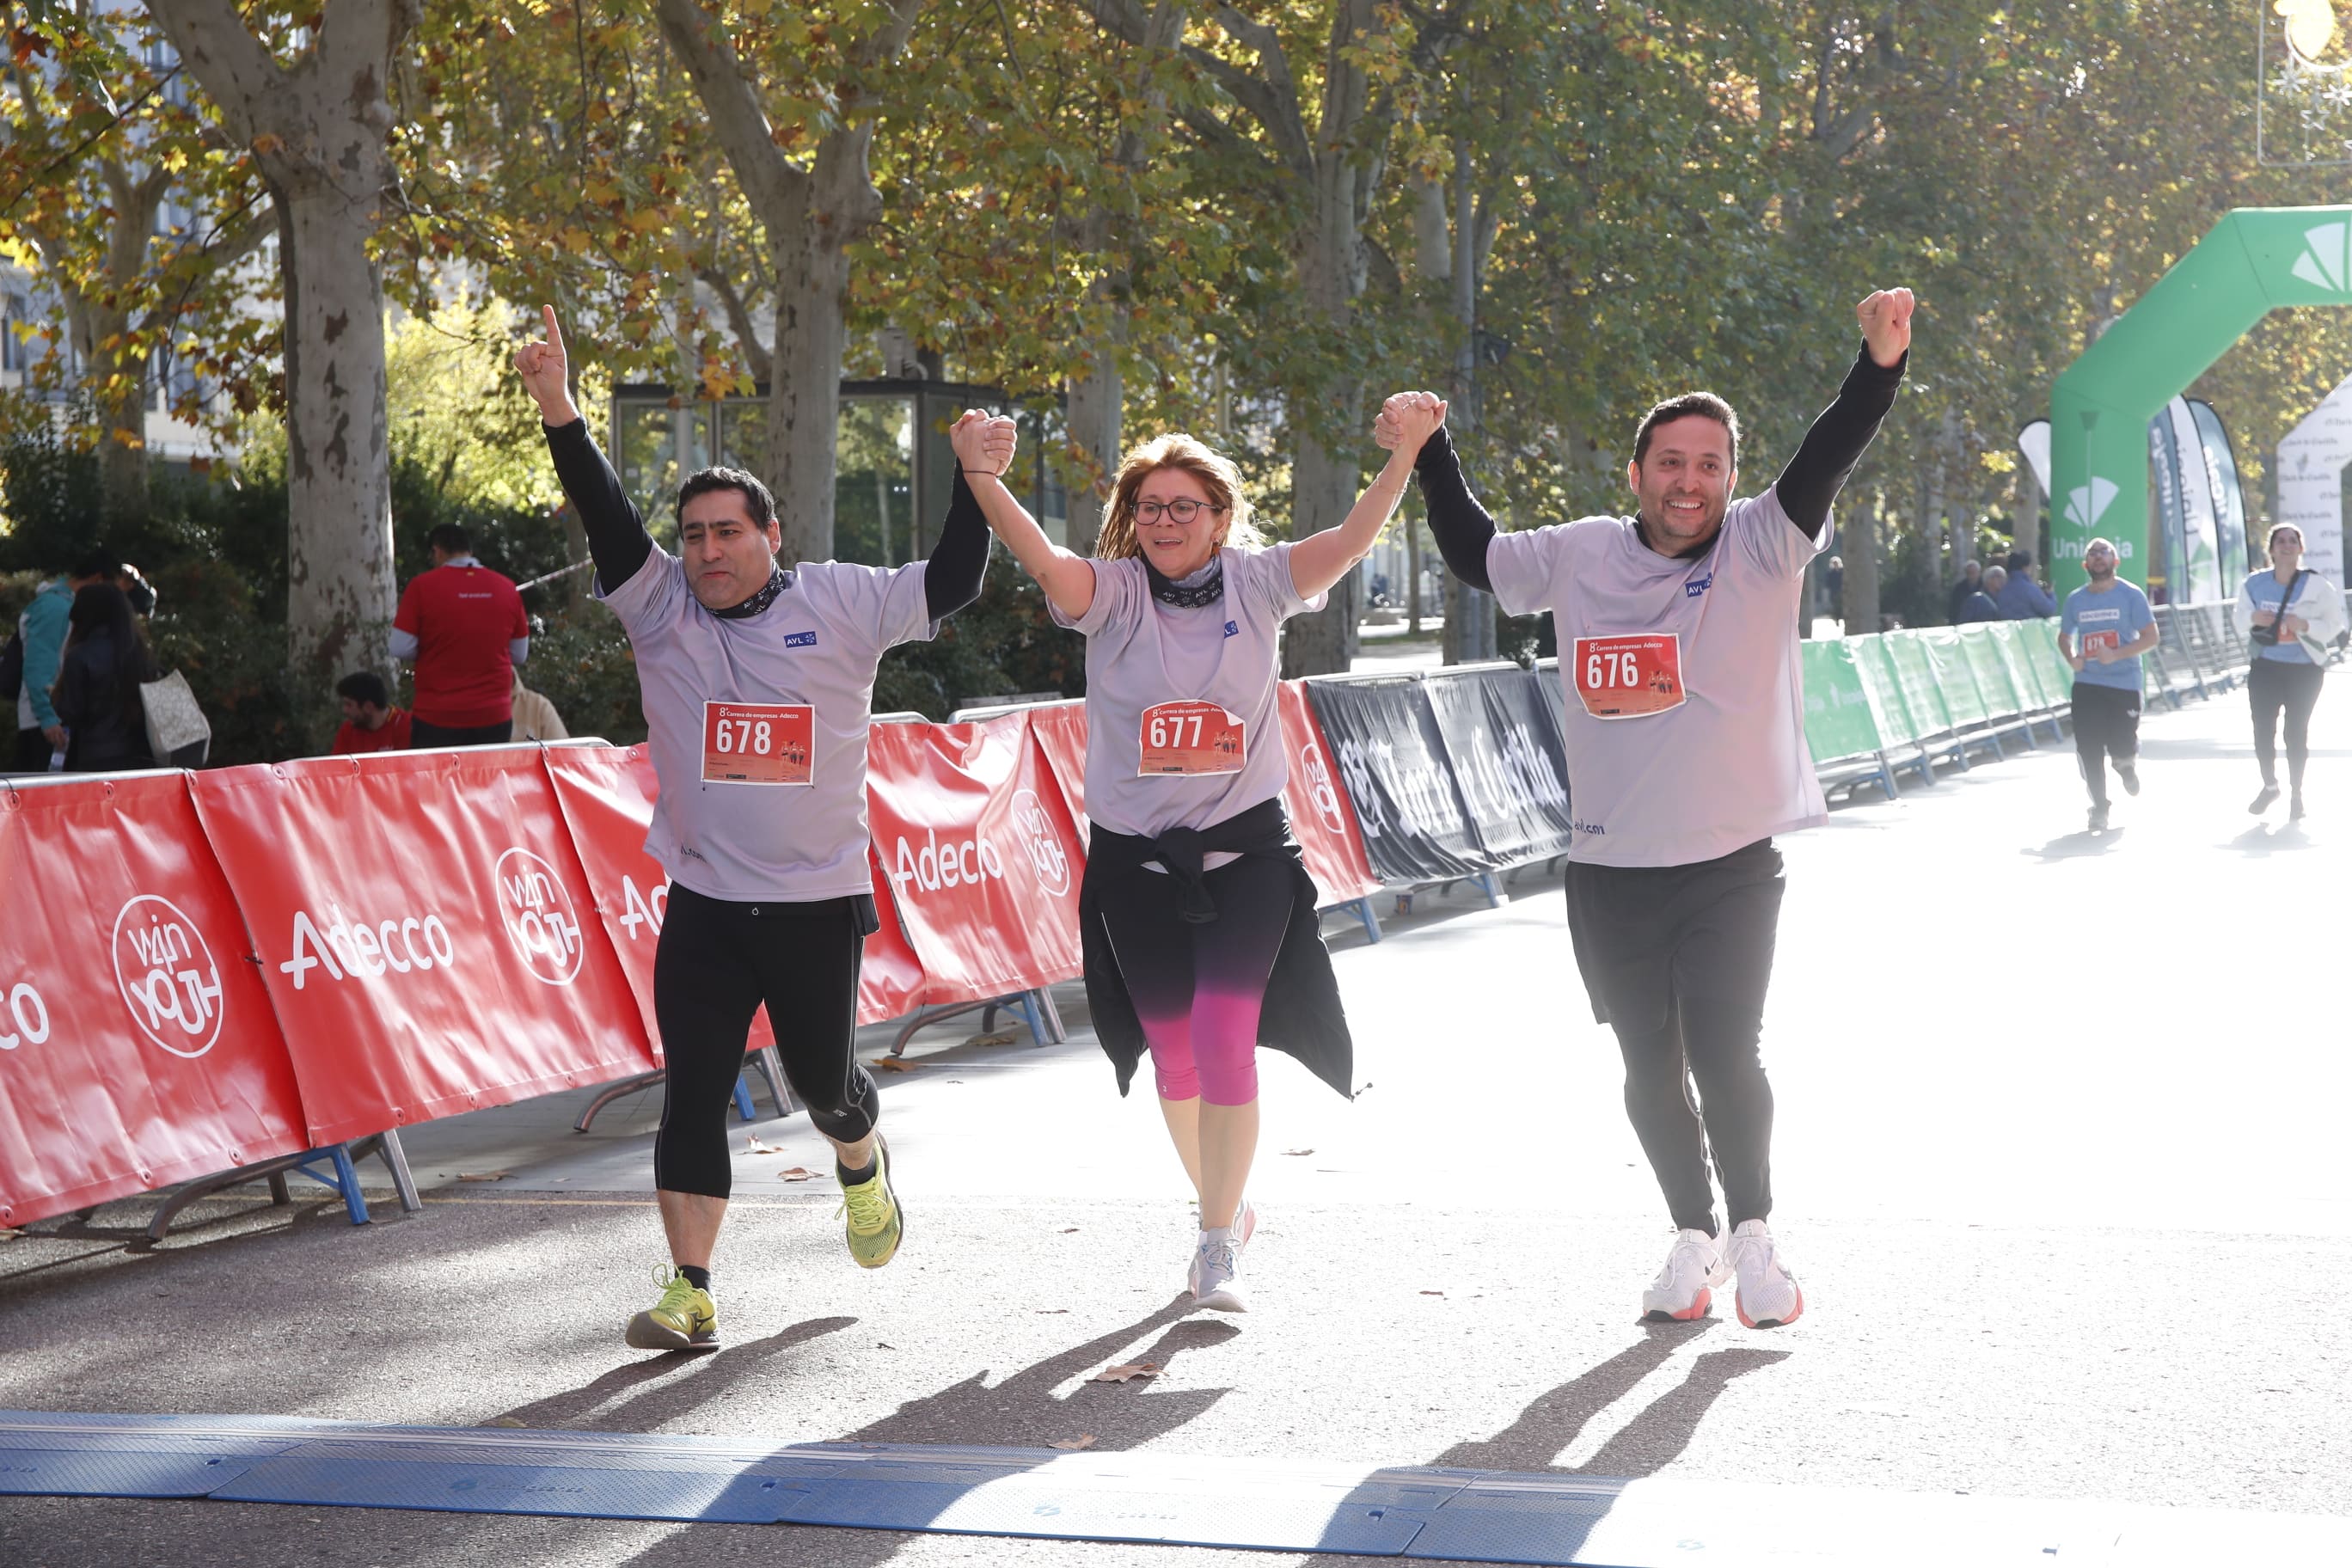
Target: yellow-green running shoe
[(875, 1222), (684, 1319)]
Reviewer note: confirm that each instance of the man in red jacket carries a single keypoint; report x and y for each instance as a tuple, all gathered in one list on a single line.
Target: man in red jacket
[(371, 723), (463, 627)]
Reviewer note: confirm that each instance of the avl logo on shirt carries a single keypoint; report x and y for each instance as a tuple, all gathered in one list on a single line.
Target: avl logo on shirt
[(1693, 588), (1233, 628), (800, 640)]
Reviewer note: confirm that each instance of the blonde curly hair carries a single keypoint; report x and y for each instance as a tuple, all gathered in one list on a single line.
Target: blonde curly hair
[(1117, 541)]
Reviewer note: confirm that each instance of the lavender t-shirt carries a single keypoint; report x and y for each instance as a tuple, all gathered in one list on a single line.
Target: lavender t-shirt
[(815, 647), (1149, 661), (1686, 708)]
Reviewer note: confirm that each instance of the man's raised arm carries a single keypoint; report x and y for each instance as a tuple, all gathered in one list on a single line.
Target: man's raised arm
[(1844, 429), (616, 531), (1460, 525)]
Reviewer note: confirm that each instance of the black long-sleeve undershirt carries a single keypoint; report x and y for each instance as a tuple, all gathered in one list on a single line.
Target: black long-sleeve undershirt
[(1810, 481), (619, 543)]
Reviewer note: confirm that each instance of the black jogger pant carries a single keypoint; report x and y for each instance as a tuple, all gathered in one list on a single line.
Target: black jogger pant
[(2106, 724), (1678, 959), (716, 964), (2272, 685)]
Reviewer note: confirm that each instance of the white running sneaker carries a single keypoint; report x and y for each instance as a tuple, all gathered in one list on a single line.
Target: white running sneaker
[(1244, 1224), (1686, 1287), (1215, 1264), (1768, 1295)]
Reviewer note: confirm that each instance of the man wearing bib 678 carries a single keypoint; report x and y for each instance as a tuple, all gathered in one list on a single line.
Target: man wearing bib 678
[(1686, 754)]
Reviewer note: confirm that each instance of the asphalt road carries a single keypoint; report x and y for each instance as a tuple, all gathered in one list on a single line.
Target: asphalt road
[(2063, 1196)]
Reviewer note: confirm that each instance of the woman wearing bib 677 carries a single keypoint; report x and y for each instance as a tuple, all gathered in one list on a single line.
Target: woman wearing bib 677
[(1686, 734), (1197, 911)]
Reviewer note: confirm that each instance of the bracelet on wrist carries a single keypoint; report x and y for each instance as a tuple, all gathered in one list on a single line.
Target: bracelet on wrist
[(992, 473)]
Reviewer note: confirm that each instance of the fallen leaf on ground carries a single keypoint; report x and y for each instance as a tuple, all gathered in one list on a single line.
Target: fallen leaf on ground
[(1127, 1373), (1070, 1230), (1050, 1311), (797, 1173), (7, 1235), (1298, 1151), (893, 1064), (484, 1175), (754, 1146), (1433, 1292), (1000, 1037), (1071, 1445)]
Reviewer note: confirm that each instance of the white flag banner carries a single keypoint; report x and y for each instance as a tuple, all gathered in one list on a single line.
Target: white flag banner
[(2310, 478)]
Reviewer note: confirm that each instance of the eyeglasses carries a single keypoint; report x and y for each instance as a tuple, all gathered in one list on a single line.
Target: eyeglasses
[(1182, 511)]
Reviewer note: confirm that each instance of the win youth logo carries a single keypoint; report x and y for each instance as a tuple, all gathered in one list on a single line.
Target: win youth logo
[(2086, 504), (536, 909), (2326, 259), (1036, 827), (167, 976), (1320, 790)]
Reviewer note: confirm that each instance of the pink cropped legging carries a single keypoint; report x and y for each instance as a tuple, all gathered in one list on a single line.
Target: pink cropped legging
[(1198, 989)]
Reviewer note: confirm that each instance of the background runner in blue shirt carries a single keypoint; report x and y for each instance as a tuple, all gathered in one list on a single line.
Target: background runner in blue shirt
[(2102, 632)]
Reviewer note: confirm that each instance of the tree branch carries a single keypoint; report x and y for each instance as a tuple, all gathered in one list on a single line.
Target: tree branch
[(773, 182), (739, 321), (211, 39)]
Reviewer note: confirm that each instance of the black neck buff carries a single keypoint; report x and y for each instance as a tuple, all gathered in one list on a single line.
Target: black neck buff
[(778, 581), (1205, 587)]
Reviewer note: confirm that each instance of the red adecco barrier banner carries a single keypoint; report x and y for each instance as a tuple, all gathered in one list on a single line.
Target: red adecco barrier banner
[(421, 919), (607, 794), (1320, 812), (979, 847), (1060, 732), (137, 1046)]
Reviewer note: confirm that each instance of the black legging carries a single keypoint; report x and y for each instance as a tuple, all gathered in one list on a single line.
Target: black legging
[(2274, 684), (1679, 958), (1198, 989), (716, 964)]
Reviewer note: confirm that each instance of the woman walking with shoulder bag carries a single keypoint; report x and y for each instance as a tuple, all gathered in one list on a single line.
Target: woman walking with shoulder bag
[(2289, 615)]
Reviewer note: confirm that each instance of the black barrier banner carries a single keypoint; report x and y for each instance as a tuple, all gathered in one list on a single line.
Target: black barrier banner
[(1393, 762), (1509, 760)]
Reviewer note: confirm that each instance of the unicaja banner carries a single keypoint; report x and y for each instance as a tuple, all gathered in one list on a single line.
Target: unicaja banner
[(137, 1046), (980, 852), (425, 932)]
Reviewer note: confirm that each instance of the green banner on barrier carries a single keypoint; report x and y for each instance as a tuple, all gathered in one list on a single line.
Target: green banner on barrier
[(1840, 717), (1915, 672), (2002, 698), (1967, 704)]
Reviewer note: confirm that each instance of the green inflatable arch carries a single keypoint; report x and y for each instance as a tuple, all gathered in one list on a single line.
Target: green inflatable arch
[(2256, 260)]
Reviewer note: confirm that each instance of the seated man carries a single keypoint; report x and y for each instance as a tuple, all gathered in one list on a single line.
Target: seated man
[(371, 723)]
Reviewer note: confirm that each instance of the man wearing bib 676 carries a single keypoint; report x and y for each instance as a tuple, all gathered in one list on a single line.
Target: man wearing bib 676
[(1686, 754)]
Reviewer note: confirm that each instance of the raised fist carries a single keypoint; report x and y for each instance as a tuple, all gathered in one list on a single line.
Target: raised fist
[(1408, 420), (983, 442), (546, 373), (1886, 319)]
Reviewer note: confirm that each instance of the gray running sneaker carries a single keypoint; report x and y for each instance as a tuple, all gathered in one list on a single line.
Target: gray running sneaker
[(1215, 1265)]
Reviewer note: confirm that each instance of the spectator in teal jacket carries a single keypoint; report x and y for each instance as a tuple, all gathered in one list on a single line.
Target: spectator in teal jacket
[(43, 628)]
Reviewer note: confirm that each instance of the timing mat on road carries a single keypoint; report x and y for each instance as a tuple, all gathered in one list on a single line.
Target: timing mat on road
[(1478, 1516)]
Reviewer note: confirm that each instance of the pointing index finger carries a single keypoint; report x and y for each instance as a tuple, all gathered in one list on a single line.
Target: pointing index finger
[(554, 333)]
